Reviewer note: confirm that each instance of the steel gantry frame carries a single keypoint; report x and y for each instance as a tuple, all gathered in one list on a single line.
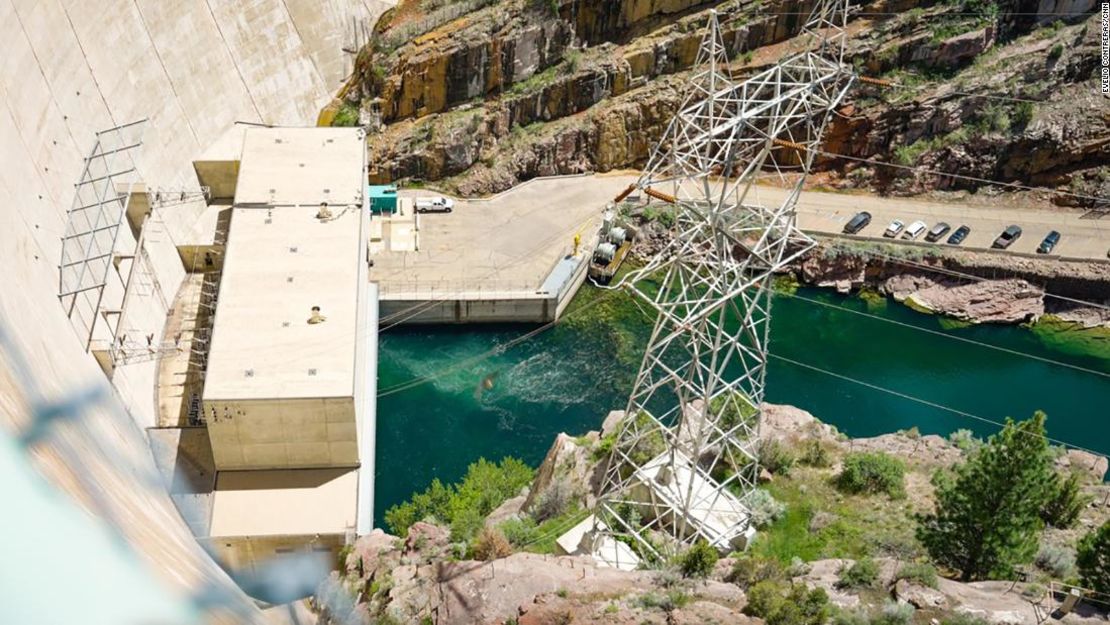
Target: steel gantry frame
[(93, 222), (684, 466)]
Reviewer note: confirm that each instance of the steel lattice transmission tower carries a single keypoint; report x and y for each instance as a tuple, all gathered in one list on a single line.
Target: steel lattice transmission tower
[(685, 463)]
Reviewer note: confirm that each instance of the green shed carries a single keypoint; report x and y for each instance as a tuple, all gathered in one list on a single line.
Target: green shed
[(383, 198)]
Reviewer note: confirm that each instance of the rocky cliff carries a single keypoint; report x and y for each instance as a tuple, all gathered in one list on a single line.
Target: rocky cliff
[(513, 89), (420, 578)]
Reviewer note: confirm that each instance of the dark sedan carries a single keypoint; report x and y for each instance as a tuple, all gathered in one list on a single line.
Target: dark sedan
[(857, 223), (959, 235), (1049, 243)]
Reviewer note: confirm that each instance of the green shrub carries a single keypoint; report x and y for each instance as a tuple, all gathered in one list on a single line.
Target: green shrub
[(748, 571), (1065, 503), (604, 446), (962, 618), (732, 409), (669, 601), (1056, 52), (765, 509), (347, 115), (663, 215), (1023, 114), (462, 506), (1056, 561), (872, 472), (520, 531), (699, 560), (779, 604), (815, 453), (553, 502), (851, 617), (775, 457), (965, 440), (893, 613), (650, 442), (1093, 559), (921, 573), (863, 573)]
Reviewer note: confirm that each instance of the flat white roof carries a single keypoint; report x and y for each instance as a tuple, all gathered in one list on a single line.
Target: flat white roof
[(283, 166), (278, 264), (288, 502)]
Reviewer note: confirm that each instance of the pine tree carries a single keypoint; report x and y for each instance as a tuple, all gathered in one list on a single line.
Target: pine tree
[(1065, 503), (987, 515), (1093, 559)]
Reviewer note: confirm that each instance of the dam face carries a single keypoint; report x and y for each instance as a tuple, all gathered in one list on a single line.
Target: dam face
[(70, 69)]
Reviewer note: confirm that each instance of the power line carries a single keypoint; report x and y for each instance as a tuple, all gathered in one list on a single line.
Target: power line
[(949, 336), (924, 402), (944, 270)]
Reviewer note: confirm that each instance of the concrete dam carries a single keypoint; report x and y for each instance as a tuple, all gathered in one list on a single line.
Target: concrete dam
[(175, 80)]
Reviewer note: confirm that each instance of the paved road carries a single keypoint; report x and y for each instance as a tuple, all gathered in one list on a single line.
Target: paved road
[(511, 242), (828, 212)]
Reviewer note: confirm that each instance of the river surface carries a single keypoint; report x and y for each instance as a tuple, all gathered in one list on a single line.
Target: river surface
[(568, 378)]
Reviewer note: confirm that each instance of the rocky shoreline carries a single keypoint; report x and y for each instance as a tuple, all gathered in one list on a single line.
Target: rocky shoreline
[(967, 286)]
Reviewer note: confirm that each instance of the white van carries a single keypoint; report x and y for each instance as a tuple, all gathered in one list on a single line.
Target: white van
[(434, 205), (914, 230)]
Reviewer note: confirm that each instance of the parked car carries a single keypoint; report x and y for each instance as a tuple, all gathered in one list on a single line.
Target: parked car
[(914, 230), (894, 229), (857, 223), (1007, 238), (937, 232), (959, 235), (434, 205), (1049, 243)]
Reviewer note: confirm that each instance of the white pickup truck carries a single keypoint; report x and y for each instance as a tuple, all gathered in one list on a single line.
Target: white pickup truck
[(438, 204)]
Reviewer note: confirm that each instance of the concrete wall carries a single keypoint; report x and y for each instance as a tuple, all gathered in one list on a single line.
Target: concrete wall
[(244, 553), (479, 309), (282, 433), (192, 67)]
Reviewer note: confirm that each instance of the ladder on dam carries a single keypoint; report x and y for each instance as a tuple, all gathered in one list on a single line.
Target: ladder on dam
[(100, 201)]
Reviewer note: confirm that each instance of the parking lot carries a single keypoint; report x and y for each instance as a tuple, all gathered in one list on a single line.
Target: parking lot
[(506, 244)]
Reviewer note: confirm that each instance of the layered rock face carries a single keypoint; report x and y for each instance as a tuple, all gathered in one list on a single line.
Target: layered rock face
[(989, 301), (928, 285), (518, 89)]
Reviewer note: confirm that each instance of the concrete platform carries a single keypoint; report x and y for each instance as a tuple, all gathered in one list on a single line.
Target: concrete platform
[(494, 260)]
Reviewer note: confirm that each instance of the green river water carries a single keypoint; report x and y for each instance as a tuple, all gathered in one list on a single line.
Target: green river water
[(568, 378)]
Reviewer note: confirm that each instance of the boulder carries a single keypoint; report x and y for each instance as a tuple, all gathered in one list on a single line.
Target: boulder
[(921, 597), (1092, 465), (511, 508), (785, 423), (426, 537)]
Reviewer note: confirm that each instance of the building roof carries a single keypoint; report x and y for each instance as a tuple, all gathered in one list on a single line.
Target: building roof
[(289, 502), (284, 166), (278, 264)]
